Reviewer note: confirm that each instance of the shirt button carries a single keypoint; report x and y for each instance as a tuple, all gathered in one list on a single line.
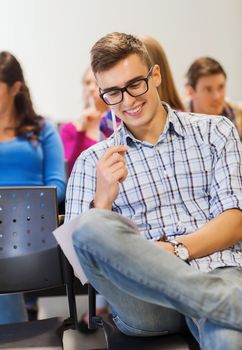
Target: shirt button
[(179, 225)]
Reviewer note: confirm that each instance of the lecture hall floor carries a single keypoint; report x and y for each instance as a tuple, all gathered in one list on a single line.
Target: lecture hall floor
[(73, 340)]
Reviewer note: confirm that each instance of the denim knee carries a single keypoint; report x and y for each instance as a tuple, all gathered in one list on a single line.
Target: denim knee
[(94, 225), (87, 226), (216, 337)]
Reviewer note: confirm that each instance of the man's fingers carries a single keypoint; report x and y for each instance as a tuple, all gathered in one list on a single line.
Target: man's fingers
[(116, 149), (117, 166), (120, 174), (111, 160)]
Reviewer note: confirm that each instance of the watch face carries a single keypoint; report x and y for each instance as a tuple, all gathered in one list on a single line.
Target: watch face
[(182, 252)]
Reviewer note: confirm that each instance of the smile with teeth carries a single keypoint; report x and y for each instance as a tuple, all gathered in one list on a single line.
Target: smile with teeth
[(134, 111)]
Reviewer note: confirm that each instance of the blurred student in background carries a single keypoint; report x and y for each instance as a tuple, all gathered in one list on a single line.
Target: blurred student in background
[(31, 154), (206, 89), (83, 133)]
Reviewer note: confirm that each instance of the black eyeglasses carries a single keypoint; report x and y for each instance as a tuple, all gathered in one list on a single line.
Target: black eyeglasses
[(136, 88)]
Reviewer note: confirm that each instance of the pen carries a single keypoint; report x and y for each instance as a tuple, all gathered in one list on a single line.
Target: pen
[(115, 129)]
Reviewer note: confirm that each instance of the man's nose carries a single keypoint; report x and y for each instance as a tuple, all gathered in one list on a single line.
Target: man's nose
[(127, 98), (216, 95)]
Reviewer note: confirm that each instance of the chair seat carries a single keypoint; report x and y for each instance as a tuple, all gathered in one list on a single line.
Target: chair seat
[(42, 334), (118, 341)]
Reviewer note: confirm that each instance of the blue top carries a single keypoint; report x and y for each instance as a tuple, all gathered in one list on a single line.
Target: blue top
[(39, 163)]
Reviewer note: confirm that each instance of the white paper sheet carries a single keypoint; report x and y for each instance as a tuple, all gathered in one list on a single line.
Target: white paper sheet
[(63, 235)]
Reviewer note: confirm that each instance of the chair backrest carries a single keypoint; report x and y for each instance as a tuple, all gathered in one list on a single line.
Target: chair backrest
[(30, 258)]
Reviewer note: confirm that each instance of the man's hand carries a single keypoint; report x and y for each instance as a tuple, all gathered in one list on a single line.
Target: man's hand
[(89, 115), (111, 170)]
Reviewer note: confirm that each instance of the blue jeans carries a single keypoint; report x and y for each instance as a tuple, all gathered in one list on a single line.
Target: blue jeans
[(150, 289), (12, 308)]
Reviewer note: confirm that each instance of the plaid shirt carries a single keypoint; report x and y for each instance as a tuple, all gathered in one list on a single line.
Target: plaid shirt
[(192, 174), (230, 110)]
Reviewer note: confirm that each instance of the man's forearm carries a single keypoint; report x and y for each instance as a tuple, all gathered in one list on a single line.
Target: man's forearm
[(218, 234)]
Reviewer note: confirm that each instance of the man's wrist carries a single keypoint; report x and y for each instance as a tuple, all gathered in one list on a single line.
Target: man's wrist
[(180, 250), (98, 205), (92, 205)]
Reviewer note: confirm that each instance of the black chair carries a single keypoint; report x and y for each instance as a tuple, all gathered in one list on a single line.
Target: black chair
[(118, 341), (30, 260)]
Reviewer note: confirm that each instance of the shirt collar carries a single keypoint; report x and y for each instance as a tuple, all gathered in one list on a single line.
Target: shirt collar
[(173, 123)]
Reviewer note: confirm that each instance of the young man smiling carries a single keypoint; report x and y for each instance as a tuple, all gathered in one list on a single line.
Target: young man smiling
[(177, 177)]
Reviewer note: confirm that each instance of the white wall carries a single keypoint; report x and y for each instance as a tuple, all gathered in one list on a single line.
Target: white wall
[(52, 40)]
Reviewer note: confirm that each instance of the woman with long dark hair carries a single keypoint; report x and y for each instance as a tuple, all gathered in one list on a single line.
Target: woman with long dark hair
[(31, 153)]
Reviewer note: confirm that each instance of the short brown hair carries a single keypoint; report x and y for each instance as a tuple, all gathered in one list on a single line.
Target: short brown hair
[(115, 47), (201, 67)]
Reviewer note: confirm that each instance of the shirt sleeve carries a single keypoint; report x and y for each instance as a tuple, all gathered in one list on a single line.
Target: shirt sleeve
[(226, 186), (54, 166), (81, 185)]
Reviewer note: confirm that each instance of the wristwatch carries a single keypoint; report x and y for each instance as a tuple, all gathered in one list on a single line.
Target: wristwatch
[(180, 249)]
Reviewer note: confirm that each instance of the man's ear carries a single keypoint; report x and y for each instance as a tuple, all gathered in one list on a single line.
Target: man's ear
[(190, 91), (157, 75), (15, 88)]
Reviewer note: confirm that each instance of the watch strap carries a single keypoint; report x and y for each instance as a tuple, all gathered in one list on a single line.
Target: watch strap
[(176, 246)]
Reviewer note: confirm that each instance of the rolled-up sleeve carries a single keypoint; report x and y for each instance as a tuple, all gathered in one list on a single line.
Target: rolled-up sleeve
[(226, 184), (81, 186)]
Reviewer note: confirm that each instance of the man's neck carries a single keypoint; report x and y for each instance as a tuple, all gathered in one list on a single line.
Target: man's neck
[(151, 132)]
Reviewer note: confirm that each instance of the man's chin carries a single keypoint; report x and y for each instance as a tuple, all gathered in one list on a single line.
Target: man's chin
[(216, 111)]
